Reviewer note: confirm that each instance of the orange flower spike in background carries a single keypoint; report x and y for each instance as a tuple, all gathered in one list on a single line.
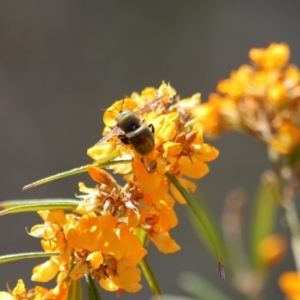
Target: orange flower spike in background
[(236, 85), (262, 100), (271, 250), (286, 139), (289, 282), (273, 57)]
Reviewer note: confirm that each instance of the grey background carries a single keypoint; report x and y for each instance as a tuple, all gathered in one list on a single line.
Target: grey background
[(62, 61)]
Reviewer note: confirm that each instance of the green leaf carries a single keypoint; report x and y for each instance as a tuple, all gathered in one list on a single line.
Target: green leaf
[(19, 256), (204, 221), (200, 230), (199, 287), (27, 205), (75, 290), (150, 278), (263, 221), (72, 172), (92, 289)]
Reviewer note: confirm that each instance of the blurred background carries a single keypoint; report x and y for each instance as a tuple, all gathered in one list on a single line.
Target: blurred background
[(61, 62)]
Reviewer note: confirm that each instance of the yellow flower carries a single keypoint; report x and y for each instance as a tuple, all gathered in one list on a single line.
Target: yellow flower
[(289, 283), (60, 292), (17, 293), (45, 271)]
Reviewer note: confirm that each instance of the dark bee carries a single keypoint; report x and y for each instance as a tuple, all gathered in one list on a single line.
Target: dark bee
[(131, 129)]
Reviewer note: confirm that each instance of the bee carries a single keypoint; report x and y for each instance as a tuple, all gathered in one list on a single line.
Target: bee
[(131, 129)]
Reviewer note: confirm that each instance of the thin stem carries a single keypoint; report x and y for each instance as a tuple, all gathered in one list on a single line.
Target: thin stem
[(294, 226), (151, 279), (288, 190)]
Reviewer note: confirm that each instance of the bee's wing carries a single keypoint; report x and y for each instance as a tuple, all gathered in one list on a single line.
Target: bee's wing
[(115, 131), (148, 106)]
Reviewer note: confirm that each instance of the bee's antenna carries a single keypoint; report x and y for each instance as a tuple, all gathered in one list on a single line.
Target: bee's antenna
[(102, 109), (122, 103)]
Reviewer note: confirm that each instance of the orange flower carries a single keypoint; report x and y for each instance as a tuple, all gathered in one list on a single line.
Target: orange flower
[(286, 139), (126, 275), (271, 250), (262, 100), (60, 292), (289, 283), (111, 250), (178, 148), (275, 56), (169, 121)]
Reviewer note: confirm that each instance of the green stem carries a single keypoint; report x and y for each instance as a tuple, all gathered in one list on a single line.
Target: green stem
[(294, 226), (151, 279), (288, 190)]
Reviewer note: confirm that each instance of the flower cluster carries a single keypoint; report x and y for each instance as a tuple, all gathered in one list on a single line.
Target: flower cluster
[(105, 236), (178, 149), (261, 99)]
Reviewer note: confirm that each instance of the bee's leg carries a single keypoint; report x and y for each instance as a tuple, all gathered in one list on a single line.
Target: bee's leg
[(150, 165), (124, 139), (151, 127)]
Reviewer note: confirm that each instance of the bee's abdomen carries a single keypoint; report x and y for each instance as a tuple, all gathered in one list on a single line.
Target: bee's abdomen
[(141, 139)]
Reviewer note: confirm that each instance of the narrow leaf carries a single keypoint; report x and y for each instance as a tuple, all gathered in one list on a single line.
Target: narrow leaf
[(263, 221), (18, 206), (72, 172), (19, 256), (55, 177), (201, 232), (205, 223), (92, 289), (199, 287), (75, 290)]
